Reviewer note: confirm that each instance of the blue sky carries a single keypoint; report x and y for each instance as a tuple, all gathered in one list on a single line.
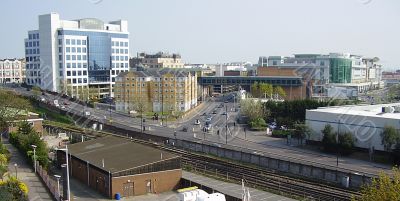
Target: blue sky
[(216, 31)]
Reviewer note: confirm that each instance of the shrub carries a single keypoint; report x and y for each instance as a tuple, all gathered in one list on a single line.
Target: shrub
[(346, 143), (329, 139), (258, 123), (281, 133)]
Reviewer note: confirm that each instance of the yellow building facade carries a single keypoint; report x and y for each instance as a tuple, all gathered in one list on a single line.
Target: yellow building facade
[(156, 91)]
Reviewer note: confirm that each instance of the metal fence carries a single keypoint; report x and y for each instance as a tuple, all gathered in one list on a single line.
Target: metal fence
[(51, 184)]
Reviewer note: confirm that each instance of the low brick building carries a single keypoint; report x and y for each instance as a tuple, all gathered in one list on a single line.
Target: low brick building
[(31, 118), (112, 165)]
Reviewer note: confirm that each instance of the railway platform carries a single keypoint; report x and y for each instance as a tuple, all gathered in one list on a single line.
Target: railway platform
[(232, 191)]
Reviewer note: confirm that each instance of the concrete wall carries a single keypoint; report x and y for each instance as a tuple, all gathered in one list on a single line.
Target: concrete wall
[(311, 171)]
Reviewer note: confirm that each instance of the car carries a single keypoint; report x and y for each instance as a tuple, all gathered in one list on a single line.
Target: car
[(214, 112), (224, 113), (208, 119), (226, 102), (204, 114), (62, 107), (208, 127), (197, 122), (185, 129)]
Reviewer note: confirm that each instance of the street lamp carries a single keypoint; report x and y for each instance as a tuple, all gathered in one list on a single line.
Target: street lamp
[(16, 170), (58, 183), (34, 156), (337, 143), (66, 156), (226, 124), (175, 135)]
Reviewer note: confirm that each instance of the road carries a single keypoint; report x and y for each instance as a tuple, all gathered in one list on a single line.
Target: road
[(236, 137)]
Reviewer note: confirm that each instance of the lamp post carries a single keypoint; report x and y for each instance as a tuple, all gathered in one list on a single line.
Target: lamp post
[(34, 156), (58, 183), (16, 170), (226, 124), (68, 186), (337, 144)]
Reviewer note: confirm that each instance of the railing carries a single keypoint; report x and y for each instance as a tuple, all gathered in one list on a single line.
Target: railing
[(50, 183)]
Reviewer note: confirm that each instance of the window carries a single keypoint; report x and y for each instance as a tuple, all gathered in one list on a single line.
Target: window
[(126, 58), (73, 49), (30, 36), (68, 41), (84, 50), (84, 57), (68, 73), (61, 73), (60, 50), (74, 57), (126, 51), (79, 80), (60, 57), (83, 42), (79, 73), (121, 44), (79, 65), (116, 44), (117, 51), (84, 73), (60, 65), (79, 50), (78, 42), (68, 65), (74, 81), (68, 49), (113, 58), (84, 80), (73, 65), (59, 41), (113, 50), (79, 57), (73, 73), (126, 44), (72, 41), (322, 63), (26, 44)]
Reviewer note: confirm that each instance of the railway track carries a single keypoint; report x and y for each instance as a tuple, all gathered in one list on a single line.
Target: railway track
[(254, 176)]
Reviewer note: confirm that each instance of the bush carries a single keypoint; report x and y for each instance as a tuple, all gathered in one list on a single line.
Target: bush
[(258, 124), (13, 190), (346, 143), (329, 139), (281, 133)]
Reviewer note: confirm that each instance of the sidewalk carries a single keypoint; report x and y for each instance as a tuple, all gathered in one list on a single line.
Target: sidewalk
[(37, 190)]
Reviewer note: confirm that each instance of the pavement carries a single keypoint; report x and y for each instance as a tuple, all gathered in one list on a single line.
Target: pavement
[(37, 190)]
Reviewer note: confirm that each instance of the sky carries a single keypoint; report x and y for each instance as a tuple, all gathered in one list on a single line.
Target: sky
[(219, 31)]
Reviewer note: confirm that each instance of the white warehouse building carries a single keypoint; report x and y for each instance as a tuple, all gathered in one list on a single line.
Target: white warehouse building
[(365, 122)]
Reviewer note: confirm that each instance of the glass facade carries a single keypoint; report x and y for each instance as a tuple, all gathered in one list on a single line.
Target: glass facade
[(99, 46), (340, 70)]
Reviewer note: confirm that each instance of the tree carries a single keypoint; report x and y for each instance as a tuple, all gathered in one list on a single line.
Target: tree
[(390, 137), (11, 107), (383, 188), (278, 91), (301, 131), (253, 109), (265, 90), (254, 90), (329, 138), (346, 143)]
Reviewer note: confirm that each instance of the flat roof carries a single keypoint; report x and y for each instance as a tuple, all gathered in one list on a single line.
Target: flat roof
[(361, 110), (119, 154)]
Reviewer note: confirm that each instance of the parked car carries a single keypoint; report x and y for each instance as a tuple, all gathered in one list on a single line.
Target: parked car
[(197, 122), (185, 129)]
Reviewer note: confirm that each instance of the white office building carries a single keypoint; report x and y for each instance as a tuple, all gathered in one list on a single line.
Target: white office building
[(364, 122), (78, 57)]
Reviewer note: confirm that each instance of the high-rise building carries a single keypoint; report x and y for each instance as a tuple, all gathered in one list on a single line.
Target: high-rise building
[(78, 57), (154, 90), (12, 70)]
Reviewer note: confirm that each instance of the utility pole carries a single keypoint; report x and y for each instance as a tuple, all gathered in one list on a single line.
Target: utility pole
[(337, 144), (226, 124)]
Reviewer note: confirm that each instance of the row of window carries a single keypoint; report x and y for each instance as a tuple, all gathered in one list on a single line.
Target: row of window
[(73, 49), (73, 42), (32, 51), (73, 57), (34, 73), (75, 65), (33, 36), (33, 81), (8, 66), (119, 51), (34, 58), (76, 73), (119, 44), (32, 66), (120, 65), (8, 73), (157, 79), (32, 44), (120, 58), (78, 81)]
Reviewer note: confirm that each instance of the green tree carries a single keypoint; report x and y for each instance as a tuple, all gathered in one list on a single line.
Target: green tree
[(383, 188), (301, 131), (278, 91), (346, 143), (329, 138), (265, 89), (11, 107), (390, 137), (254, 88)]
